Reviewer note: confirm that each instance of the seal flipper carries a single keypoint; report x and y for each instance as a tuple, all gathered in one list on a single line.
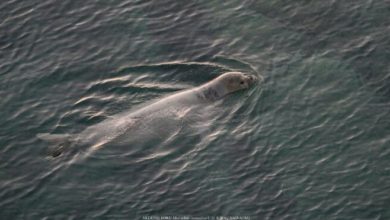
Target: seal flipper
[(54, 138), (60, 141)]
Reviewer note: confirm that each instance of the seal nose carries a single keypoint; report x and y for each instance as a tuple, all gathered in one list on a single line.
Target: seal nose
[(251, 79)]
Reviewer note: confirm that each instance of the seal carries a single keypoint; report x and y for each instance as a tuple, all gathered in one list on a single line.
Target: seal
[(225, 84), (120, 126)]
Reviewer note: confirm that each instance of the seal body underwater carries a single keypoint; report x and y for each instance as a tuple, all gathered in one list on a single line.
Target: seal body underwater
[(118, 128)]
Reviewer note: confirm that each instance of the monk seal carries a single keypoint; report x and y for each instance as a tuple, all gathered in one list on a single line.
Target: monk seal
[(120, 126)]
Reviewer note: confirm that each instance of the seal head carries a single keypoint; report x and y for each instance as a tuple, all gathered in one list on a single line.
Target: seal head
[(226, 83)]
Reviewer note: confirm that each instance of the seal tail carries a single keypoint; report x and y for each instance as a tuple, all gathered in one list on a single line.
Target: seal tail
[(53, 138), (60, 141)]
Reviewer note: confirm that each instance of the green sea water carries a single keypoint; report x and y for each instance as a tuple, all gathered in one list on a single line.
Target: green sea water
[(309, 141)]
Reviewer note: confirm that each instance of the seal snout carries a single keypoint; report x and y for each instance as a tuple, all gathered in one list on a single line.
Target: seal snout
[(251, 79)]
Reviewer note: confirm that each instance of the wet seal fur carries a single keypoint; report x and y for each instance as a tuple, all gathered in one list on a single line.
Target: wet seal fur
[(118, 125), (223, 85)]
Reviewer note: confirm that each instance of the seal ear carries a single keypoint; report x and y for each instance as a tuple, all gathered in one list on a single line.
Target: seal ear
[(231, 80)]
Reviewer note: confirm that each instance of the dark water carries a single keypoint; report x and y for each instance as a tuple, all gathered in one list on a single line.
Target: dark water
[(310, 142)]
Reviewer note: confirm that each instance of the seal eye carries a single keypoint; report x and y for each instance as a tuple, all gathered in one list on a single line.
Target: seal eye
[(242, 82)]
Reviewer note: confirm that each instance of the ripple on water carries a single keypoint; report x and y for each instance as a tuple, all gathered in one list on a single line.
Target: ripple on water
[(308, 142)]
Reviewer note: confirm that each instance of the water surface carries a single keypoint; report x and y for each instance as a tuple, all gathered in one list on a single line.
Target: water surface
[(309, 142)]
